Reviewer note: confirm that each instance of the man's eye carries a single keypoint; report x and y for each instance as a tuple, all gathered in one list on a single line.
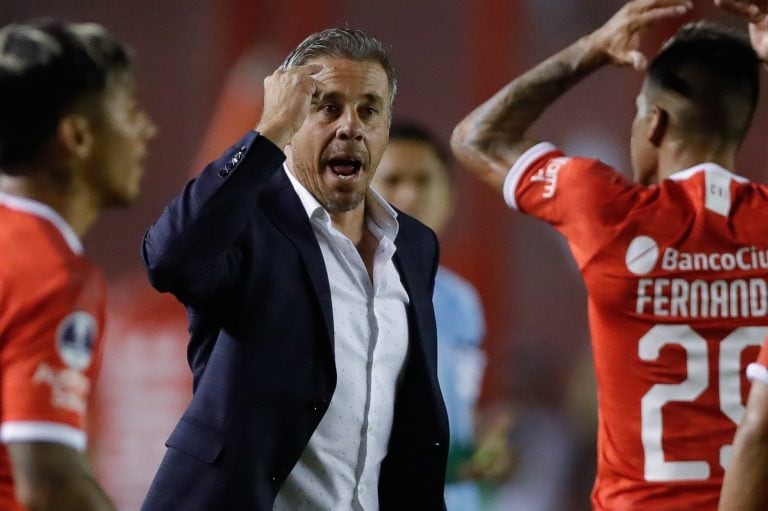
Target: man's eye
[(331, 109)]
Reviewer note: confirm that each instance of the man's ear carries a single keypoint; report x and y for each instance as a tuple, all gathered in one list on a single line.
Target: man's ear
[(658, 125), (75, 135)]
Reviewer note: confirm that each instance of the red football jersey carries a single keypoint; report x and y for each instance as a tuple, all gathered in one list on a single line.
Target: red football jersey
[(677, 282), (51, 319)]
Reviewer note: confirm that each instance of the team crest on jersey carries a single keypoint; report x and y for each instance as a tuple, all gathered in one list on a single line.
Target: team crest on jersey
[(75, 339), (642, 255)]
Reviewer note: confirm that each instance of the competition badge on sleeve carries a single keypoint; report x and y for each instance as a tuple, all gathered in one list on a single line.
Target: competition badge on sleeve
[(75, 340)]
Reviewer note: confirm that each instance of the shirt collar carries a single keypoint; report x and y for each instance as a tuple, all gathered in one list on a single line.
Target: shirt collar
[(708, 166), (377, 210), (46, 212)]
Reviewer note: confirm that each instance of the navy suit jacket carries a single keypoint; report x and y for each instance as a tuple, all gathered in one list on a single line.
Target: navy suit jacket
[(236, 247)]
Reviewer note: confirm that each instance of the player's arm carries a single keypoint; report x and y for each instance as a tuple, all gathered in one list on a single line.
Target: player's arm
[(50, 476), (756, 12), (744, 487), (493, 136)]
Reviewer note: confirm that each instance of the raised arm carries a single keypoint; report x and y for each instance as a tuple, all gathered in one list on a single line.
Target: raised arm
[(493, 136), (191, 250), (744, 487), (756, 13)]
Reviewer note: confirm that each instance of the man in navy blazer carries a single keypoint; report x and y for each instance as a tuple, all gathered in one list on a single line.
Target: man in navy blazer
[(313, 344)]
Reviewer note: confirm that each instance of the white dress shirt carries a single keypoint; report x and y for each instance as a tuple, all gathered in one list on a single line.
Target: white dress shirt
[(339, 469)]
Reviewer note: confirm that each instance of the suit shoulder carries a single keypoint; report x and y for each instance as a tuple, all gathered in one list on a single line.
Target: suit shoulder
[(413, 229)]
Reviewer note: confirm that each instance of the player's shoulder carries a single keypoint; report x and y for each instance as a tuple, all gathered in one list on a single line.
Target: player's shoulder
[(34, 248), (32, 239), (550, 157), (710, 186), (547, 171)]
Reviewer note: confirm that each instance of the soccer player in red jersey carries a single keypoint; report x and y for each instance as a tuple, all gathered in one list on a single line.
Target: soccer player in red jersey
[(72, 141), (744, 486), (675, 263)]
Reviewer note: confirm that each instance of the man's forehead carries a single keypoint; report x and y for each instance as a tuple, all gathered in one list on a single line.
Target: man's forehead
[(367, 76)]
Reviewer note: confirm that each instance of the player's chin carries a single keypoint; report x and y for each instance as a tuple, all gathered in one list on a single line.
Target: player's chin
[(123, 197)]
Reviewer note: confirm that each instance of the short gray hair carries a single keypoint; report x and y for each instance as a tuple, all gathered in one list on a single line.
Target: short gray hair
[(348, 43)]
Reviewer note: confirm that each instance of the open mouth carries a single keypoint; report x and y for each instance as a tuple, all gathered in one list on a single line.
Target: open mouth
[(345, 167)]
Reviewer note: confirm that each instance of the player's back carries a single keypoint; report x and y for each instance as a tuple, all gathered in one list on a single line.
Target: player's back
[(678, 303)]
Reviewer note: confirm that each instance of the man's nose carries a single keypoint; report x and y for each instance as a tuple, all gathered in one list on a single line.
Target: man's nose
[(350, 126)]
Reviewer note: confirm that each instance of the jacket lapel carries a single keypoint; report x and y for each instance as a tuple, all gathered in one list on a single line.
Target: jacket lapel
[(284, 208), (420, 302)]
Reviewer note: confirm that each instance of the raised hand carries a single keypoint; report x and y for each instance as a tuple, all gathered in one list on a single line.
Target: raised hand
[(756, 12), (288, 95), (619, 38)]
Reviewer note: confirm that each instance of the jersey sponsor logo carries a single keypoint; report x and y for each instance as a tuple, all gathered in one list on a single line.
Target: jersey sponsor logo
[(642, 255), (698, 298), (548, 176), (745, 258), (75, 338), (69, 387)]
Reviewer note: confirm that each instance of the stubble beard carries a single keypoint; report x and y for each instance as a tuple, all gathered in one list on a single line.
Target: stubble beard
[(343, 204)]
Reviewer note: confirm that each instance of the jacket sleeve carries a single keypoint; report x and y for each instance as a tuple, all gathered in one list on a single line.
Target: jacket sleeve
[(192, 250)]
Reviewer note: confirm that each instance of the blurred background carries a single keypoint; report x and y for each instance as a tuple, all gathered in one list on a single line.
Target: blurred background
[(201, 64)]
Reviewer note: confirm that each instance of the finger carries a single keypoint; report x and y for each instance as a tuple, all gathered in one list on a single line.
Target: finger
[(637, 60), (317, 97), (310, 69), (750, 10), (658, 13), (646, 5)]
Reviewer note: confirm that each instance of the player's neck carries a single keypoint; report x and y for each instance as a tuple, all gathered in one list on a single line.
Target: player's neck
[(680, 157), (67, 198)]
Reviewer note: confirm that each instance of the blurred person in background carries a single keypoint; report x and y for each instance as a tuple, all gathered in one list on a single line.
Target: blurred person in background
[(72, 143), (675, 308), (415, 176)]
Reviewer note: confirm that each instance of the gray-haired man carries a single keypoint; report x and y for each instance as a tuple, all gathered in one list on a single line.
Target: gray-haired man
[(313, 342)]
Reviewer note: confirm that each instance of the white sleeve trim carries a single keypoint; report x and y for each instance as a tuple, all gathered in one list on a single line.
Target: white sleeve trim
[(519, 168), (40, 431), (757, 371)]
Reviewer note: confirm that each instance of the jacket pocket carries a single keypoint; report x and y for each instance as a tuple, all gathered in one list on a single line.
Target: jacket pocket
[(197, 440)]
